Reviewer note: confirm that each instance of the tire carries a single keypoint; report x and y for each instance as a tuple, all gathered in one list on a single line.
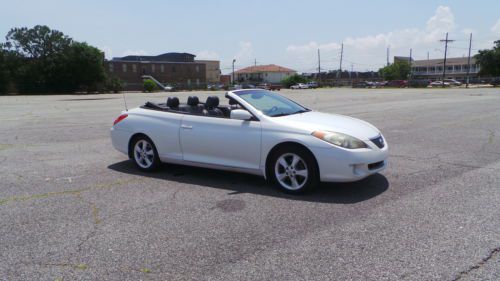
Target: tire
[(293, 169), (144, 154)]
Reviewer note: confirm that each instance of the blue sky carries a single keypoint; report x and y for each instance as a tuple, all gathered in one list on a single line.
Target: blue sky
[(281, 32)]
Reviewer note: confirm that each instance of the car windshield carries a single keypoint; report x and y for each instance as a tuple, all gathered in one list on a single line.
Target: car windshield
[(271, 104)]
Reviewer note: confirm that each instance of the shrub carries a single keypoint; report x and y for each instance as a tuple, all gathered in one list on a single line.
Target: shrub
[(292, 80), (113, 84), (149, 86)]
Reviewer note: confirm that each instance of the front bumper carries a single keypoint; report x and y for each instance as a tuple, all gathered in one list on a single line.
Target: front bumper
[(346, 165)]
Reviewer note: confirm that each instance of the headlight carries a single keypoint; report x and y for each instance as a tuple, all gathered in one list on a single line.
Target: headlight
[(340, 139)]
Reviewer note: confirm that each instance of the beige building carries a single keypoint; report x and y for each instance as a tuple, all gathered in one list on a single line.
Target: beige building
[(270, 73), (456, 68), (212, 68)]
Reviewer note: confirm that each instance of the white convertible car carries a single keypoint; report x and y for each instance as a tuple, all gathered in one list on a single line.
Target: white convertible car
[(258, 132)]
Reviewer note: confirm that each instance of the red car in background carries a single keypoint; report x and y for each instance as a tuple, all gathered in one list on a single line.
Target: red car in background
[(397, 83)]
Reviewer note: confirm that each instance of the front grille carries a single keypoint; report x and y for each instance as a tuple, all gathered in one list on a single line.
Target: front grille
[(374, 166), (379, 142)]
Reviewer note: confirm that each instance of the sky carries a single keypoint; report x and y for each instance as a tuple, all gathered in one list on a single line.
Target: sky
[(287, 33)]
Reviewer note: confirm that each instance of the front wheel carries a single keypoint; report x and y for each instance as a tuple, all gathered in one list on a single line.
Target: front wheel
[(144, 154), (294, 170)]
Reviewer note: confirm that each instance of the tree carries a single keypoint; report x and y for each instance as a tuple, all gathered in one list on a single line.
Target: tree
[(489, 60), (396, 71), (292, 80), (4, 79), (49, 61)]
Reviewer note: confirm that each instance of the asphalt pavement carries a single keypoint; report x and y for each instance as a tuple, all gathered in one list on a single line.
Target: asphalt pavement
[(73, 208)]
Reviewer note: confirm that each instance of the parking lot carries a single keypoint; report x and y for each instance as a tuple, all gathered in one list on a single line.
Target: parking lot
[(73, 208)]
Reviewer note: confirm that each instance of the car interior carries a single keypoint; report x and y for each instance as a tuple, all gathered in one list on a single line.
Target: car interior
[(193, 106)]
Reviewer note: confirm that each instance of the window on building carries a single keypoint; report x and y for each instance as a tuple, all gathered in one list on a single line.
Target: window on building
[(152, 68), (111, 67), (124, 67), (173, 68), (197, 81), (162, 68), (189, 82), (134, 68), (197, 68)]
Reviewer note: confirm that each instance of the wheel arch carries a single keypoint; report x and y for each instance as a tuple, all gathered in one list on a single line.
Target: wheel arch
[(291, 144), (131, 142)]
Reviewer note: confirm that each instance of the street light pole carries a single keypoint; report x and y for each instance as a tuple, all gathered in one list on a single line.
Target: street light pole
[(232, 76)]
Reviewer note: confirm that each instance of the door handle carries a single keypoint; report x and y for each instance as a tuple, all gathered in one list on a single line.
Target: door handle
[(186, 127)]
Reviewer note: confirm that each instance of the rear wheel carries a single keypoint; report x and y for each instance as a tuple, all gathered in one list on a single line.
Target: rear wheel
[(144, 154), (293, 169)]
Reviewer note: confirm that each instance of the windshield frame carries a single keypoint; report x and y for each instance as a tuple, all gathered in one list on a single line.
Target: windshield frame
[(298, 107)]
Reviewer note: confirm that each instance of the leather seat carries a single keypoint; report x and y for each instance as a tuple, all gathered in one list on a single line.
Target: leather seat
[(193, 105), (173, 103), (211, 107)]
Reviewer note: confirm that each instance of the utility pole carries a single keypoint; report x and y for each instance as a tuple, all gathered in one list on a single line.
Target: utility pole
[(319, 68), (427, 62), (232, 76), (341, 56), (468, 62), (445, 52), (388, 47), (409, 75), (255, 62)]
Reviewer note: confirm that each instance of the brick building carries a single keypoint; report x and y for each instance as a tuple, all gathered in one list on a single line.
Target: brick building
[(177, 69)]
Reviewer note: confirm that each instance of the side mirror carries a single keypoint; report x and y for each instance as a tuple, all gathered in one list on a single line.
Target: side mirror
[(240, 114)]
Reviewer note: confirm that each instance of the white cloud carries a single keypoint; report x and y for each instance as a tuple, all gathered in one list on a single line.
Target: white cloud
[(108, 53), (245, 55), (207, 55), (496, 27), (135, 53), (368, 52)]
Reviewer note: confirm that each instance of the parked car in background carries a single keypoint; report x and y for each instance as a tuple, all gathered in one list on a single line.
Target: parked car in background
[(397, 83), (243, 86), (439, 84), (269, 86), (453, 82), (299, 86), (379, 84), (360, 84), (495, 82), (312, 84)]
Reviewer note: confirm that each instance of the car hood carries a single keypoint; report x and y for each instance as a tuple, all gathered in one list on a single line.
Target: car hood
[(312, 121)]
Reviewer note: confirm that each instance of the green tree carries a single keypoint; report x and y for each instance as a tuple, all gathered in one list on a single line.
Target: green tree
[(489, 60), (4, 78), (396, 71), (49, 61), (292, 80)]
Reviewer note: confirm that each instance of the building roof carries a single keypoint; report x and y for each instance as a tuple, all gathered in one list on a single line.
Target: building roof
[(170, 57), (264, 68), (449, 61)]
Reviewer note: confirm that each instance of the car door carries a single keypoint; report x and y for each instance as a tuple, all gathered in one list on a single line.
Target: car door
[(221, 141)]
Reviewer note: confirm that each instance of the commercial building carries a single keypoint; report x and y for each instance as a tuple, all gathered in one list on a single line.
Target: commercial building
[(270, 73), (456, 68), (180, 70)]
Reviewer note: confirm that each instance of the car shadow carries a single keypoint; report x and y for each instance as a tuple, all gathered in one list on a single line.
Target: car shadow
[(235, 183)]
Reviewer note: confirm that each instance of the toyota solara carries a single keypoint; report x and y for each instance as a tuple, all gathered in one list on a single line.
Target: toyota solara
[(258, 132)]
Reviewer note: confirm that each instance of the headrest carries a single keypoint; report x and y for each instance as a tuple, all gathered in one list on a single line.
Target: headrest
[(232, 102), (193, 101), (212, 101), (172, 102)]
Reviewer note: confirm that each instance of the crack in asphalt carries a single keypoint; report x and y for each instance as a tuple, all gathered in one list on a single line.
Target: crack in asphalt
[(478, 265)]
